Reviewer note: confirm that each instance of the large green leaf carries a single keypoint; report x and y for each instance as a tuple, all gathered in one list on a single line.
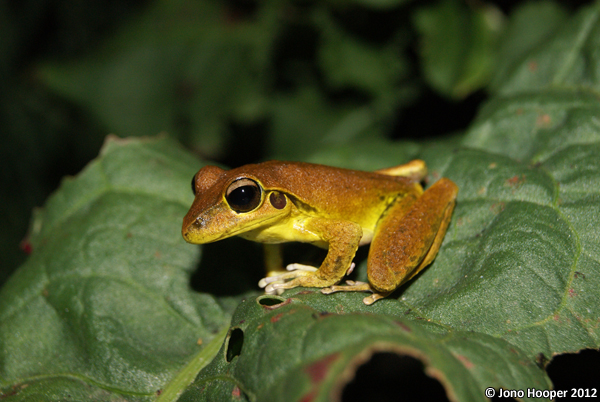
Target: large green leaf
[(306, 348), (103, 307)]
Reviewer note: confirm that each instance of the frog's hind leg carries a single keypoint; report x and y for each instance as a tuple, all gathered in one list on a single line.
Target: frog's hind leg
[(356, 286), (415, 170), (406, 241)]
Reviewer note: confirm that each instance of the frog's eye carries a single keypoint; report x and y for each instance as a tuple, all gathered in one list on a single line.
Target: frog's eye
[(194, 184), (243, 195)]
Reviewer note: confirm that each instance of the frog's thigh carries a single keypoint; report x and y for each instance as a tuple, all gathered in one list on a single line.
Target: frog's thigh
[(407, 241)]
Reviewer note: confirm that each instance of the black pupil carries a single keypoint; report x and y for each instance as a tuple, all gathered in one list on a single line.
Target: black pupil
[(244, 198)]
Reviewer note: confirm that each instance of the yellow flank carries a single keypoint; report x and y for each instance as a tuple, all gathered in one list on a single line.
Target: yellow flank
[(337, 209)]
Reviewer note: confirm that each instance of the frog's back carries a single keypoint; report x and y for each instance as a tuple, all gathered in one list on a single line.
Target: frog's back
[(333, 192)]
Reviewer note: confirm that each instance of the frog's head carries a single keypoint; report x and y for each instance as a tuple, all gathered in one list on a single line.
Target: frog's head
[(230, 203)]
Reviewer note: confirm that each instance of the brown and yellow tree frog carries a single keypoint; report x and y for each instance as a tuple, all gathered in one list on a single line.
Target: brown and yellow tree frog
[(337, 209)]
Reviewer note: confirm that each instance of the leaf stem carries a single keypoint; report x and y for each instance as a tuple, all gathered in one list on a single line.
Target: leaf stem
[(185, 377)]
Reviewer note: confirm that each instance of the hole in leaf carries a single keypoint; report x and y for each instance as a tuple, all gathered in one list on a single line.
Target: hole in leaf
[(392, 377), (234, 344), (575, 370), (270, 300)]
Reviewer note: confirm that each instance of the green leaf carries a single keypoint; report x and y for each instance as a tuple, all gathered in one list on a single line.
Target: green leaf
[(527, 27), (351, 63), (162, 72), (325, 341), (458, 46), (566, 60), (103, 307), (305, 121)]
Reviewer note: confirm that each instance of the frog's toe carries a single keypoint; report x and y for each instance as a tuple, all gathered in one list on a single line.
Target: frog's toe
[(264, 282), (278, 283), (301, 267), (374, 297), (356, 286), (269, 290), (350, 286)]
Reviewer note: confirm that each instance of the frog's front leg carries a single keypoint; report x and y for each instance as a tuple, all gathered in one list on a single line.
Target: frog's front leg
[(343, 238)]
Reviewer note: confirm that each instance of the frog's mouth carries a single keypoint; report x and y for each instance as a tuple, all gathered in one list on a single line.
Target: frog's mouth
[(212, 226)]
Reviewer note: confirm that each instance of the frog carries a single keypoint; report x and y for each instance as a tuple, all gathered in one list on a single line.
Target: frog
[(337, 209)]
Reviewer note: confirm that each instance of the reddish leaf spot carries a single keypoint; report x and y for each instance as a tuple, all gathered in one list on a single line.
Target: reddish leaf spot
[(403, 326), (309, 397), (318, 370), (26, 246), (236, 393), (515, 181), (572, 292), (543, 120), (276, 306), (465, 361), (532, 66), (497, 207), (305, 292), (157, 254), (276, 317), (556, 317), (158, 392)]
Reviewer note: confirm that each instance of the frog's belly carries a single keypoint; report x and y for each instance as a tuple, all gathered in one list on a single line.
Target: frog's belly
[(283, 233), (366, 237), (295, 230)]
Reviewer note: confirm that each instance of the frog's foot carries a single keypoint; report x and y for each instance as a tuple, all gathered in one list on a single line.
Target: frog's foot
[(296, 270), (299, 275), (356, 286)]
